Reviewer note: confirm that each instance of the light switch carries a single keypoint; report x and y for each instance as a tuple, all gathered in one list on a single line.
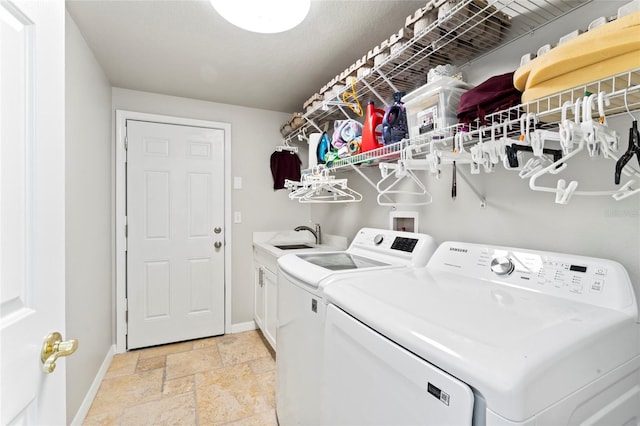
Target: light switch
[(237, 182), (237, 217)]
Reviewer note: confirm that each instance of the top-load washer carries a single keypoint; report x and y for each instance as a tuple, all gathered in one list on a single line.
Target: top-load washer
[(302, 278), (484, 335)]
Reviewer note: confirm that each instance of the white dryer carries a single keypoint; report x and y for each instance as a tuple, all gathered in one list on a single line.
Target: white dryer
[(302, 278), (484, 335)]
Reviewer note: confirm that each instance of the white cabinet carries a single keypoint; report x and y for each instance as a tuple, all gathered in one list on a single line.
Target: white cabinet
[(265, 273), (265, 294)]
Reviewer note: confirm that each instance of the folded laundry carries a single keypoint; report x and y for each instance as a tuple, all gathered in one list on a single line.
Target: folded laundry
[(601, 52), (593, 72)]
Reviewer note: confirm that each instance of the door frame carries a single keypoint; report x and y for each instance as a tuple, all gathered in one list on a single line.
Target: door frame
[(120, 219)]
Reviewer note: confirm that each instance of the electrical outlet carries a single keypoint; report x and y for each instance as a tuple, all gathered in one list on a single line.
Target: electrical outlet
[(237, 217)]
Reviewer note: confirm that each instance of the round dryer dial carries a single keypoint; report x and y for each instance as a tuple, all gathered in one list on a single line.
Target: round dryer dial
[(378, 239), (502, 265)]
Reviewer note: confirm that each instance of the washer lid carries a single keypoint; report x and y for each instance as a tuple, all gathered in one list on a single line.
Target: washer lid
[(522, 350), (340, 261), (312, 268)]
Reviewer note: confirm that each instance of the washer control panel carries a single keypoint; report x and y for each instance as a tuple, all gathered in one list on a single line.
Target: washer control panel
[(395, 247), (591, 280), (502, 265)]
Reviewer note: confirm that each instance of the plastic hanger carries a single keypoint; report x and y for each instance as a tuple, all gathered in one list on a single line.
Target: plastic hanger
[(506, 142), (459, 154), (319, 187), (399, 172), (494, 148), (634, 144), (589, 138), (570, 131), (478, 154), (588, 126), (350, 99), (607, 137), (287, 147), (335, 192), (562, 190)]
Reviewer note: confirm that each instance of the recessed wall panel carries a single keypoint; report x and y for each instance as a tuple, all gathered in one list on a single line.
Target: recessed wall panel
[(200, 284), (198, 204), (157, 293), (16, 84), (157, 198), (200, 150), (156, 147)]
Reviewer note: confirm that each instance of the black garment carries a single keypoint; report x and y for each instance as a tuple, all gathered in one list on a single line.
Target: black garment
[(284, 165)]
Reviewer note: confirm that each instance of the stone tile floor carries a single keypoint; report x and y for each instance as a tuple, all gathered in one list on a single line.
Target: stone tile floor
[(225, 380)]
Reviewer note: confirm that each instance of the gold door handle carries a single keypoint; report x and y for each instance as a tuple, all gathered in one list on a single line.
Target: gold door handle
[(53, 348)]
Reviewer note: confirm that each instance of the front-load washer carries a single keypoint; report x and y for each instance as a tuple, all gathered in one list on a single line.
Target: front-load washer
[(484, 335), (302, 278)]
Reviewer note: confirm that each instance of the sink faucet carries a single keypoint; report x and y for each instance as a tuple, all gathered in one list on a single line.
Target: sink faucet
[(317, 233)]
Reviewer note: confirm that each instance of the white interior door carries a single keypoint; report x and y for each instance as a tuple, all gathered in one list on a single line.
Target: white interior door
[(175, 221), (32, 295)]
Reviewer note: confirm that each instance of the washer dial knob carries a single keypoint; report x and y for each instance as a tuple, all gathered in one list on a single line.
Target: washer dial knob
[(502, 265), (378, 239)]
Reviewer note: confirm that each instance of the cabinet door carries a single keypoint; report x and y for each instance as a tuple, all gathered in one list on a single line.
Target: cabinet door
[(258, 296), (271, 299)]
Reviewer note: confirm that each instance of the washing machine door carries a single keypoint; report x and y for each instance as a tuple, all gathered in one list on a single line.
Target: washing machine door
[(370, 380)]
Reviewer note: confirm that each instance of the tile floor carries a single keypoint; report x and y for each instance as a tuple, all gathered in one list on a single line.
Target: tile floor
[(226, 380)]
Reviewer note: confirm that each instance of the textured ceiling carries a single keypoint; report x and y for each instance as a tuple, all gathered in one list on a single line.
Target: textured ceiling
[(184, 48)]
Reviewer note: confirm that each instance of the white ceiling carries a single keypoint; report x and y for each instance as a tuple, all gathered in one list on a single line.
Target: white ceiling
[(184, 48)]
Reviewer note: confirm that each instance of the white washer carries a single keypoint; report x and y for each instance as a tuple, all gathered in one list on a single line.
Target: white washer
[(484, 335), (302, 278)]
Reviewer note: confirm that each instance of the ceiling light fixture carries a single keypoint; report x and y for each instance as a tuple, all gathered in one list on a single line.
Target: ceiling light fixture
[(263, 16)]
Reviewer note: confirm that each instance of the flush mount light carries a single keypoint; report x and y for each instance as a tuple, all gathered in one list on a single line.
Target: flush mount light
[(263, 16)]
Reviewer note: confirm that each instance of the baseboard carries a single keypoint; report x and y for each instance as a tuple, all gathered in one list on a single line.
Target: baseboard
[(82, 412), (243, 326)]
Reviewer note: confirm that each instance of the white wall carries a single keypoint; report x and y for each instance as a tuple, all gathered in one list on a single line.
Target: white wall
[(517, 216), (254, 136), (89, 305)]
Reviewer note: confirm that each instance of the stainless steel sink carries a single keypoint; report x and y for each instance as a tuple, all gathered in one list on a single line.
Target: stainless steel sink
[(292, 246)]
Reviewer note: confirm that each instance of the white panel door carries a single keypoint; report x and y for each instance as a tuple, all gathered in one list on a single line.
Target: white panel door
[(175, 220), (32, 293)]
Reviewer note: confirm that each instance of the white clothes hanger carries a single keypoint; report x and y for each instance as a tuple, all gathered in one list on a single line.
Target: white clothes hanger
[(570, 131), (607, 137), (399, 172), (287, 147), (459, 155), (596, 136), (338, 192), (319, 187)]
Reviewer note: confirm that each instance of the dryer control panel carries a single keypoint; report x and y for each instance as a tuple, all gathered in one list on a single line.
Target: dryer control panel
[(590, 280)]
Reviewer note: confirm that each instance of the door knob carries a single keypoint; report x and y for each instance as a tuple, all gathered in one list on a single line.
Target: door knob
[(53, 348), (217, 230), (217, 244)]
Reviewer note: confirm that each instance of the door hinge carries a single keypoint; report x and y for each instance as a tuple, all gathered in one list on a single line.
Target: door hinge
[(126, 143), (126, 233), (126, 316)]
